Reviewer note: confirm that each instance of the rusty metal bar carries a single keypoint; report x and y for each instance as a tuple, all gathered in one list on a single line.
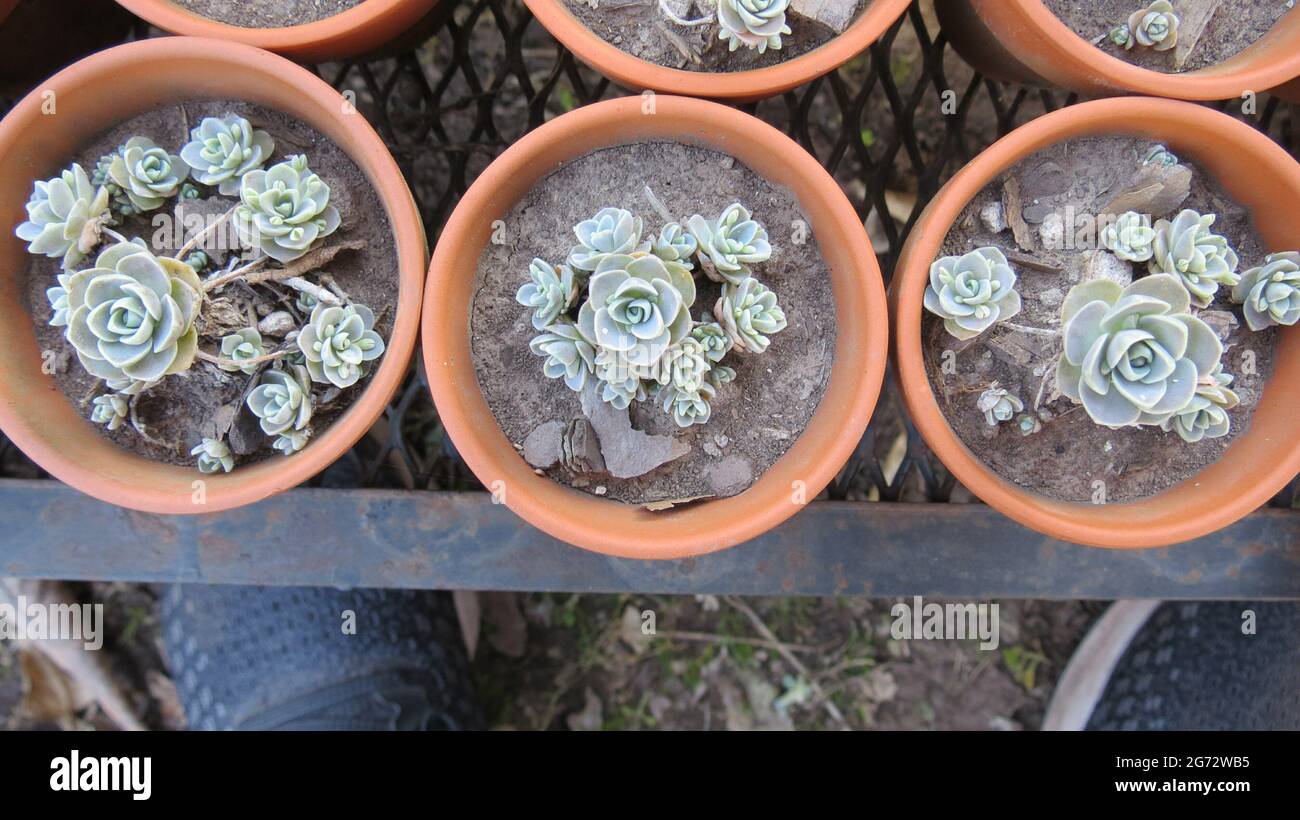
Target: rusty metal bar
[(384, 538)]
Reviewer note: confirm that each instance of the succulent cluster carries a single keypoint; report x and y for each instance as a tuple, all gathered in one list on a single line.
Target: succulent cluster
[(1270, 294), (146, 175), (222, 150), (972, 292), (64, 217), (1130, 237), (133, 316), (1186, 248), (752, 23), (1206, 415), (1132, 350), (1154, 27), (284, 211), (998, 405), (1133, 355), (633, 335)]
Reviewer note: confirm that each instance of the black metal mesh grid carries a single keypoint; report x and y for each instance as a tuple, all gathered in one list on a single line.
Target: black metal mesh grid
[(489, 73)]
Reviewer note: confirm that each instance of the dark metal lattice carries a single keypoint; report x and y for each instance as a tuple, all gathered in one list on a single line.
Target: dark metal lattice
[(891, 126)]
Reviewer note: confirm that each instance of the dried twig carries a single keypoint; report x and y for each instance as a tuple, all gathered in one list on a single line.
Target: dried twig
[(1033, 264), (1048, 373), (203, 234), (679, 42), (242, 363), (229, 276), (656, 204), (92, 392), (708, 637), (321, 294), (308, 262), (672, 15), (334, 287), (1035, 331), (784, 652)]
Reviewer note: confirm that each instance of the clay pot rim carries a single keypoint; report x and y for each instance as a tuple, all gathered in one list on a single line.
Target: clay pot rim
[(1062, 45), (752, 84), (254, 482), (310, 39), (611, 527), (1065, 520)]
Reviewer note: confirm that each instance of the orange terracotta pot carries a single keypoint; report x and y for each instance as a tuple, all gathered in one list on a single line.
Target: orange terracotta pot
[(361, 29), (1023, 41), (756, 84), (102, 91), (609, 526), (1259, 462)]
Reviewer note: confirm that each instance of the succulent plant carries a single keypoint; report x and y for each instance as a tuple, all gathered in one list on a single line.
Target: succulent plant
[(58, 296), (64, 217), (569, 355), (1206, 415), (109, 409), (197, 260), (674, 244), (1121, 35), (242, 345), (305, 302), (1270, 293), (715, 340), (730, 243), (132, 315), (1028, 424), (1133, 355), (1186, 248), (282, 400), (611, 231), (620, 392), (719, 375), (687, 407), (223, 149), (549, 294), (291, 441), (685, 365), (752, 23), (1130, 237), (147, 174), (214, 455), (998, 405), (972, 292), (337, 341), (1159, 154), (100, 176), (1155, 26), (190, 191), (284, 210), (749, 313), (637, 306)]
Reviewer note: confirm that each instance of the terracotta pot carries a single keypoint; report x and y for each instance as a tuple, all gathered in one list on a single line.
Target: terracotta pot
[(361, 29), (1259, 462), (38, 37), (610, 526), (635, 73), (1023, 41), (104, 90)]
